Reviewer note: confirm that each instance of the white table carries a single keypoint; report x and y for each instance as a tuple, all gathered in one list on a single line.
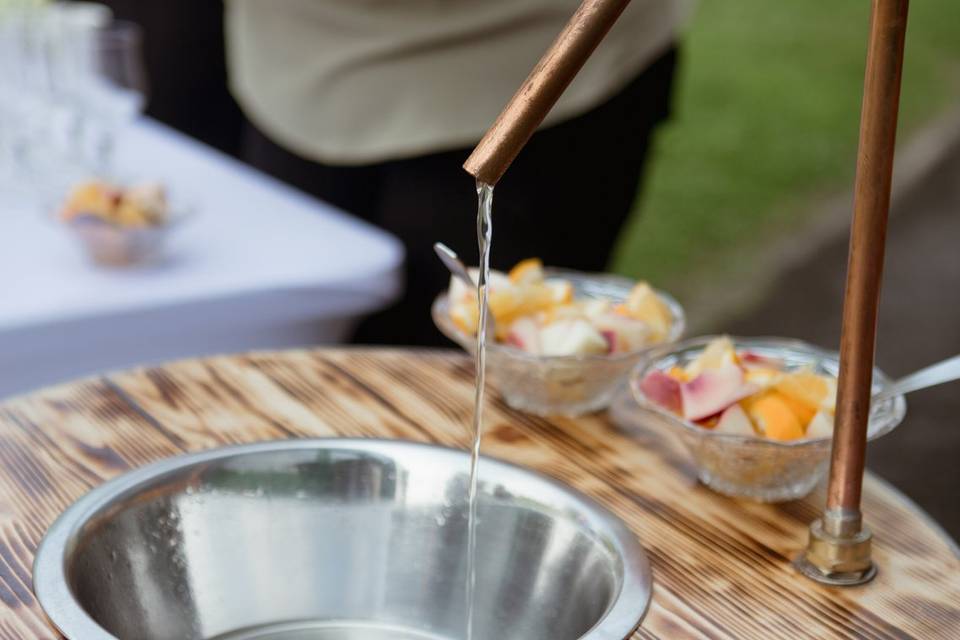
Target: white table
[(259, 266)]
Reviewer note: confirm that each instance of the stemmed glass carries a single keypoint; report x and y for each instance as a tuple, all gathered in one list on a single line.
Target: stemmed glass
[(113, 91), (71, 78)]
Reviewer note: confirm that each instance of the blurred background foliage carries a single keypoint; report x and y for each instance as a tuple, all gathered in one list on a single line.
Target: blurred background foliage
[(765, 121)]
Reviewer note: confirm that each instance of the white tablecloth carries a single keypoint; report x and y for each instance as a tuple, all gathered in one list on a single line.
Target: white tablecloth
[(259, 265)]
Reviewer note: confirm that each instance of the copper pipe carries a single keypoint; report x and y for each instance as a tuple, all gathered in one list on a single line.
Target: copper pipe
[(878, 126), (542, 88)]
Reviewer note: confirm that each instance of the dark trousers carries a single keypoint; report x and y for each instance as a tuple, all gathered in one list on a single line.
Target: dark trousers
[(564, 199)]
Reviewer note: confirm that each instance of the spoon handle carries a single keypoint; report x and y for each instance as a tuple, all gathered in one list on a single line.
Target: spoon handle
[(931, 376), (452, 262)]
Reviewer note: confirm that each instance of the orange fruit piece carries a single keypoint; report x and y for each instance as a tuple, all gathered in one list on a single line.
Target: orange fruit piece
[(774, 417), (804, 388), (529, 271), (802, 410)]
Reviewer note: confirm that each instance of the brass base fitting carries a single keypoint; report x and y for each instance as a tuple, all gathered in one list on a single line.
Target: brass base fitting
[(838, 552)]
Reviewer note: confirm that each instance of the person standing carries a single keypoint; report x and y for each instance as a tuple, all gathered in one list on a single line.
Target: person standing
[(374, 105)]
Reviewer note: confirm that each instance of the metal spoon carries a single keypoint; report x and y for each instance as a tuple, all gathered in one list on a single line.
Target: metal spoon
[(939, 373), (452, 261)]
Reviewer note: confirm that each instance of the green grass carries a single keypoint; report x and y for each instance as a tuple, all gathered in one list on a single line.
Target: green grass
[(766, 118)]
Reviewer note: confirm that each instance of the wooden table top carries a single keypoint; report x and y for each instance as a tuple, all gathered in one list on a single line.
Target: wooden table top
[(722, 567)]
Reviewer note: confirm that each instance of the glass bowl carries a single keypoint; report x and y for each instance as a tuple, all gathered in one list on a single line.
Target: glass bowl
[(110, 244), (752, 466), (560, 385)]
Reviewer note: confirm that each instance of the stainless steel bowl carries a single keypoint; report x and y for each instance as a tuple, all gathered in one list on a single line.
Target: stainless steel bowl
[(337, 540)]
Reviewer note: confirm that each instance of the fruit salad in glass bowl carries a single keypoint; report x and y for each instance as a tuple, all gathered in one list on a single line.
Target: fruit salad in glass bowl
[(563, 342), (119, 225), (756, 414)]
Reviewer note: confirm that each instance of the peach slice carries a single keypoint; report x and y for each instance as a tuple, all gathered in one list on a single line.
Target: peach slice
[(718, 353), (713, 391), (663, 390)]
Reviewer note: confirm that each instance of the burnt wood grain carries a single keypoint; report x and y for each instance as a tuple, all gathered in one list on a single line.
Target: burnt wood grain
[(722, 567)]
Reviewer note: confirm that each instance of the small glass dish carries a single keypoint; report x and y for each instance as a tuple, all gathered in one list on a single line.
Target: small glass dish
[(116, 245), (560, 385), (752, 466), (112, 244)]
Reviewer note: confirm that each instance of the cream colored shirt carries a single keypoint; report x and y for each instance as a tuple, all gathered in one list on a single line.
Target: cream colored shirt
[(362, 81)]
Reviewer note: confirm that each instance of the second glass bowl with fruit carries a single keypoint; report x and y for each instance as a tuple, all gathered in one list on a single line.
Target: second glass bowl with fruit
[(564, 341), (756, 414), (121, 225)]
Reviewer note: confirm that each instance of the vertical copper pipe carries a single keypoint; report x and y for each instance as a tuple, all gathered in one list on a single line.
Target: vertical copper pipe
[(878, 126), (542, 88)]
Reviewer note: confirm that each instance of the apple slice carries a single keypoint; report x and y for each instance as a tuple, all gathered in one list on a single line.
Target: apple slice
[(623, 332), (571, 337), (643, 304), (595, 307), (663, 390), (466, 316), (734, 420), (821, 426), (562, 290), (524, 334), (458, 290), (762, 376), (718, 352), (713, 391)]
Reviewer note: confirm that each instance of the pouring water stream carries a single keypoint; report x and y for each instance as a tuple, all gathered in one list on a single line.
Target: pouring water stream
[(484, 232)]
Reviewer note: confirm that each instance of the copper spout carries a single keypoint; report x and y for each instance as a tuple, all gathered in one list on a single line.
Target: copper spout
[(839, 549), (542, 88)]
